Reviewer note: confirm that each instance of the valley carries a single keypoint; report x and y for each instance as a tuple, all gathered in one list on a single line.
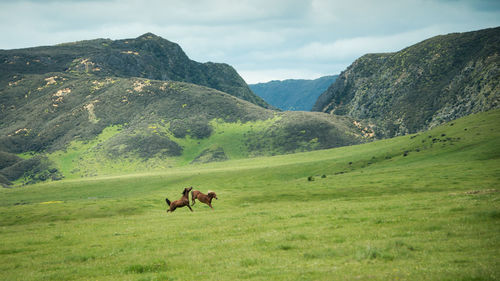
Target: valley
[(293, 94)]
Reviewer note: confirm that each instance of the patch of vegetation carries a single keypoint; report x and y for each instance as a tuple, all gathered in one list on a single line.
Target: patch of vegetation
[(146, 146), (30, 171), (302, 131), (4, 182), (139, 268), (211, 154), (8, 159), (193, 127)]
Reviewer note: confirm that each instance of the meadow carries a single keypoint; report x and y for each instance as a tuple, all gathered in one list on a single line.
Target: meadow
[(418, 207)]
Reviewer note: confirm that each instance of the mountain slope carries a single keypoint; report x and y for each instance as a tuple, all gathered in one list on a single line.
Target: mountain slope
[(293, 94), (437, 80), (147, 56)]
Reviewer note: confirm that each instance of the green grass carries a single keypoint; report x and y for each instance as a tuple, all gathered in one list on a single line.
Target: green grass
[(229, 136), (90, 159), (79, 152), (371, 213)]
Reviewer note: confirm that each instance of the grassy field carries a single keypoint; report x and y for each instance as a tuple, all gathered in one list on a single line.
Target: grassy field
[(418, 207)]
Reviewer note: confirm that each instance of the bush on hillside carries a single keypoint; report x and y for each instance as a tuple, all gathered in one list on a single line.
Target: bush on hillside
[(195, 128), (148, 146), (33, 170), (4, 182), (17, 170), (8, 159), (144, 145)]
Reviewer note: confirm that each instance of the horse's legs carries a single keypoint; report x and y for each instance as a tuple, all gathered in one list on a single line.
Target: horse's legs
[(189, 207)]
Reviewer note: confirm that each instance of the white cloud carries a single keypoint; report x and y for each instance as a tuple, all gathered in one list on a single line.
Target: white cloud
[(262, 39), (352, 47)]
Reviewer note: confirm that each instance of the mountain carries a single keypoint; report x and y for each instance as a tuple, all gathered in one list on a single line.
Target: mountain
[(147, 56), (419, 87), (72, 111), (293, 94)]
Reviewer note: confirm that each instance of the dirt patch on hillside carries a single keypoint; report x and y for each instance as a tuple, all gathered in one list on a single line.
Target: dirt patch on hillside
[(130, 53), (90, 108)]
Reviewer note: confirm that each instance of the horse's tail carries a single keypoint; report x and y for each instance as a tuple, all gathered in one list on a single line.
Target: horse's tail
[(168, 201)]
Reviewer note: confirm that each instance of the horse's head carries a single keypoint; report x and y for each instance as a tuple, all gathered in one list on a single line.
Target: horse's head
[(212, 195), (186, 190)]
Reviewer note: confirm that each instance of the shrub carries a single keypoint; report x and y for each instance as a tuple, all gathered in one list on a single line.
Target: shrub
[(195, 128), (8, 159), (17, 170), (33, 170), (4, 181), (147, 146), (140, 268)]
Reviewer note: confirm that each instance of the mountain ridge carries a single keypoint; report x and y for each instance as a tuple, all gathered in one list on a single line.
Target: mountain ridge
[(147, 56)]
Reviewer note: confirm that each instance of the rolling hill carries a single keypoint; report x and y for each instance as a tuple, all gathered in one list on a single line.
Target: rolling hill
[(88, 125), (293, 94), (77, 110), (419, 87)]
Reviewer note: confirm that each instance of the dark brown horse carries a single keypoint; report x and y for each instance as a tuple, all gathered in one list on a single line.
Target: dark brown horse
[(204, 198), (184, 201)]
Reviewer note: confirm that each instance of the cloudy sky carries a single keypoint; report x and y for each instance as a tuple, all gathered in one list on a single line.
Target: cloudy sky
[(262, 39)]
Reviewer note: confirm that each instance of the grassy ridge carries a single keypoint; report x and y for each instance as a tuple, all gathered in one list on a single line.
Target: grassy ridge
[(418, 207)]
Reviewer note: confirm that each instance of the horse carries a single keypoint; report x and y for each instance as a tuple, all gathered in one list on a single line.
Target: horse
[(204, 198), (184, 201)]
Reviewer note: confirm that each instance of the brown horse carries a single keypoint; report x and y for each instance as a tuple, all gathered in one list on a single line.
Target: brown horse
[(204, 198), (184, 201)]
